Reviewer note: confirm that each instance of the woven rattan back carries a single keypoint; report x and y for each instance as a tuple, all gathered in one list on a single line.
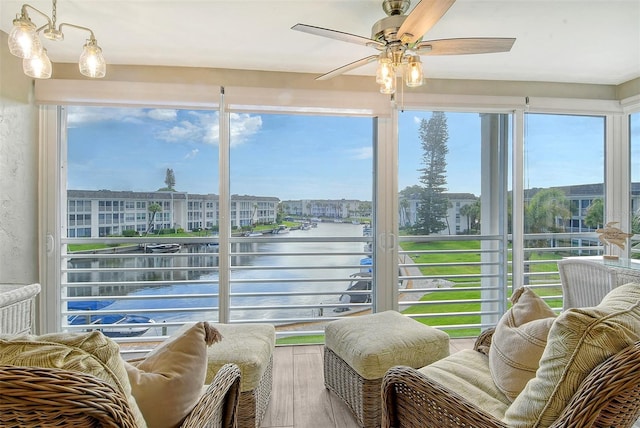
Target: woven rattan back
[(45, 397), (584, 282), (609, 396)]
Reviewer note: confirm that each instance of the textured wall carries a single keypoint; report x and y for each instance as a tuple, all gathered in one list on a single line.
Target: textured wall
[(18, 172)]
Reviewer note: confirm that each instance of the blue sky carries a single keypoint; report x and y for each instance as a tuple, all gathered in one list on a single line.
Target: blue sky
[(304, 157)]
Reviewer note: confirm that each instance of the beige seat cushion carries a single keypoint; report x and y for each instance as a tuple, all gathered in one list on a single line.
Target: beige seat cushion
[(250, 346), (168, 382), (579, 340), (467, 373), (91, 353), (518, 342), (372, 344)]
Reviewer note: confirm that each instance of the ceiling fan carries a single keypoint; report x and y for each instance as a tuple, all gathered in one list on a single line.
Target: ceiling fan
[(398, 37)]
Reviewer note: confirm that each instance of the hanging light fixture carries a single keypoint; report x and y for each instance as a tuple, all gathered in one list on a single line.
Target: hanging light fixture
[(38, 66), (396, 58), (24, 42), (413, 75)]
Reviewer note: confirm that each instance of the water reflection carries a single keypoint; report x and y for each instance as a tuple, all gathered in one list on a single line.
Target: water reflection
[(257, 267)]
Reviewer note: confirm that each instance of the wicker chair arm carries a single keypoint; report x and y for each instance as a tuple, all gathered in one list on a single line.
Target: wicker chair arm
[(483, 341), (217, 407), (609, 395), (34, 396), (412, 400)]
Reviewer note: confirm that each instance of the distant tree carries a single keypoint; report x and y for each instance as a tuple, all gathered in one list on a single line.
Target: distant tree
[(153, 208), (547, 211), (170, 179), (432, 210), (364, 209), (595, 214)]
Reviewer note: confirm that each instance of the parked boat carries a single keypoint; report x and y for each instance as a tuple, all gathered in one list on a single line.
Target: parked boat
[(361, 282), (111, 324), (162, 248), (251, 234), (280, 229)]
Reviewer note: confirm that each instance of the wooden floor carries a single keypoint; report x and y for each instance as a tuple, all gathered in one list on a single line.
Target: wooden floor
[(299, 398)]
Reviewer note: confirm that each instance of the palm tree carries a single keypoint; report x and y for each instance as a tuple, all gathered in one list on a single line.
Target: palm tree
[(153, 209)]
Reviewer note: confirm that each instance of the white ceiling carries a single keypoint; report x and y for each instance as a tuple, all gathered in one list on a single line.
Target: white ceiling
[(584, 41)]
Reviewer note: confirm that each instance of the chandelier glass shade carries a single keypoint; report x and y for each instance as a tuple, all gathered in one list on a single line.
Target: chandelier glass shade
[(38, 66), (24, 42)]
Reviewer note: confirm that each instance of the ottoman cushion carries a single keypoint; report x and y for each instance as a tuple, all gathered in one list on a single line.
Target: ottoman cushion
[(371, 344), (250, 346)]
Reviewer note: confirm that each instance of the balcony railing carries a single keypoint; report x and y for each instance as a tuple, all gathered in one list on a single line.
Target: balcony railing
[(459, 284)]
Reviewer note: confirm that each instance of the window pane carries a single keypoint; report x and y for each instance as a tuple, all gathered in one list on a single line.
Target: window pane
[(142, 184), (301, 207), (441, 179), (563, 193)]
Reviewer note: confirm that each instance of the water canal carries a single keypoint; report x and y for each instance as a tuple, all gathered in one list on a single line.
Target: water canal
[(273, 278)]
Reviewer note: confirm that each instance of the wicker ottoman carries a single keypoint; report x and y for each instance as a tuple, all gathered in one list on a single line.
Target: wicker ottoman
[(359, 351), (250, 346)]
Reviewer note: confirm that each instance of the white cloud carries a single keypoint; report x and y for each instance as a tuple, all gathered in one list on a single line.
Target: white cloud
[(197, 127), (83, 114), (202, 127), (163, 114), (183, 132), (361, 153), (243, 126), (192, 154)]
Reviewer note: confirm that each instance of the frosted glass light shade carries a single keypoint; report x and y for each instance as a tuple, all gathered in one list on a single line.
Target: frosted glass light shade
[(38, 66), (92, 63), (23, 40)]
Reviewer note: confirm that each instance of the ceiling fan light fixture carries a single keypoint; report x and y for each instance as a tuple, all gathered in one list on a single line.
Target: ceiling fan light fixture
[(388, 86), (385, 69), (38, 66), (23, 40), (413, 74), (399, 38)]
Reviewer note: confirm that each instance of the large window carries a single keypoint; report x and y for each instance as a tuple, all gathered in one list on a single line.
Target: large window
[(306, 212), (143, 184), (564, 195), (137, 181), (452, 179), (301, 189)]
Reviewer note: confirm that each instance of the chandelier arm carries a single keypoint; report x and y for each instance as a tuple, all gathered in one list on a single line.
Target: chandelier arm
[(79, 27), (23, 10)]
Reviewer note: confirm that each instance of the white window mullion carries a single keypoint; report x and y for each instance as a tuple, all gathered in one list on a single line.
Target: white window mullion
[(618, 175), (52, 159)]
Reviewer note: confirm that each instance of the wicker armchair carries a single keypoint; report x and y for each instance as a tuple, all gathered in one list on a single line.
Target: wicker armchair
[(584, 282), (608, 397), (36, 397)]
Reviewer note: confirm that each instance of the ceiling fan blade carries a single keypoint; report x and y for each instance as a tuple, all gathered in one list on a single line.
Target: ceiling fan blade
[(476, 45), (422, 18), (337, 35), (348, 67)]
